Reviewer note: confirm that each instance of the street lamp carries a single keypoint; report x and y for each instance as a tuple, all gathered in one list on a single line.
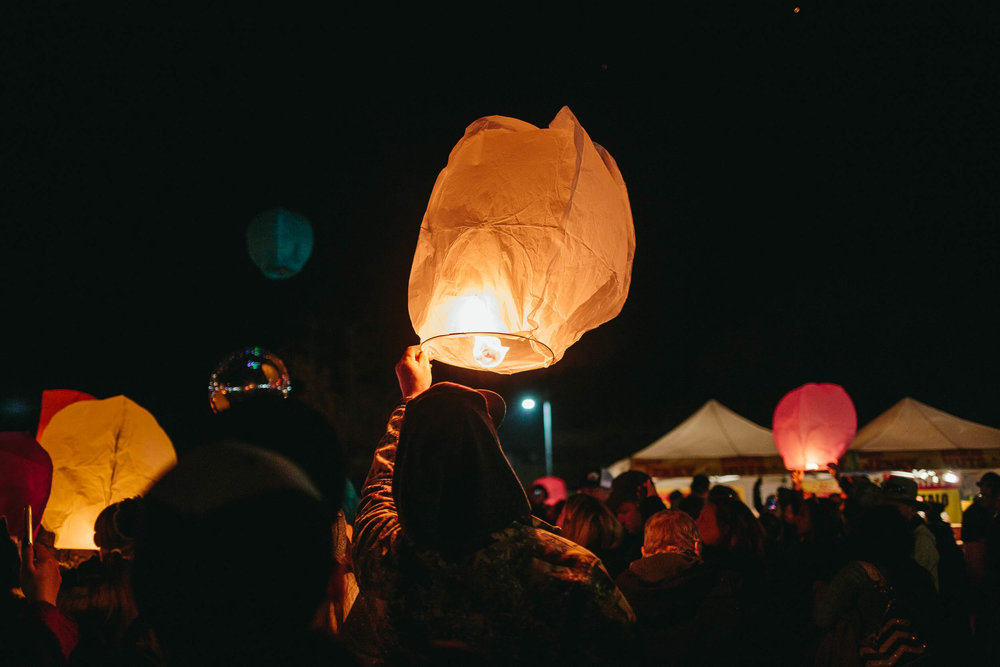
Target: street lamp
[(529, 404)]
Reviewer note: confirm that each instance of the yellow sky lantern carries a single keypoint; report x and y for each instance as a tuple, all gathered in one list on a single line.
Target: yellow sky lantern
[(103, 451), (527, 243)]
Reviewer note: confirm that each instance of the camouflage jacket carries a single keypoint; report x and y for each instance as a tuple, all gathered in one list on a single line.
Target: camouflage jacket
[(528, 596)]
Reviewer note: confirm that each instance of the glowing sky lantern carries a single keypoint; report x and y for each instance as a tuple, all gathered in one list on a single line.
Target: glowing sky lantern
[(526, 244), (813, 426), (279, 242), (103, 451), (54, 400)]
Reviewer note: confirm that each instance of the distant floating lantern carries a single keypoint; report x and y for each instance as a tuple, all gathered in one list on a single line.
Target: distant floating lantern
[(813, 426), (103, 451), (252, 370), (279, 242), (526, 244)]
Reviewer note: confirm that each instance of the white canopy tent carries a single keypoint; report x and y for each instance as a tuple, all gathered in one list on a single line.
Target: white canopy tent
[(914, 436), (714, 431), (910, 425), (714, 441)]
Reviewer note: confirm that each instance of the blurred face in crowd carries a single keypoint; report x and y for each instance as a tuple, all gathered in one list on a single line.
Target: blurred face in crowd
[(788, 514), (629, 516), (708, 526), (990, 496), (908, 511), (803, 520)]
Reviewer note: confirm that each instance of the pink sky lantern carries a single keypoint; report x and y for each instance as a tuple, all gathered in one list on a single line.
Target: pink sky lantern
[(526, 244), (813, 426)]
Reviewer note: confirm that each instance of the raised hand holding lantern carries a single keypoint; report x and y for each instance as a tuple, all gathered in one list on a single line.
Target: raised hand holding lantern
[(813, 426), (526, 244)]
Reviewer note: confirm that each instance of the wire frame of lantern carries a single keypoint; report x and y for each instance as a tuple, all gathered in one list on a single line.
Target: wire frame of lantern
[(526, 244), (245, 372)]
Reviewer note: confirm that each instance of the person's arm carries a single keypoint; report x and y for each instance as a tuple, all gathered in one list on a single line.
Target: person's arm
[(40, 581), (376, 524), (926, 554), (758, 502)]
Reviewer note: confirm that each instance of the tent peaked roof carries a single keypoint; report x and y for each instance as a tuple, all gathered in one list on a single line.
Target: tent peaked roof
[(714, 431), (911, 425)]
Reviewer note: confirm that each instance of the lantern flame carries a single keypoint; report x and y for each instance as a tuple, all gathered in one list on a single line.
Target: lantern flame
[(488, 352), (476, 312)]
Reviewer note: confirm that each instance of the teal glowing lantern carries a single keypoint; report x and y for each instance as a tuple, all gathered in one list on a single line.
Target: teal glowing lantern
[(279, 242)]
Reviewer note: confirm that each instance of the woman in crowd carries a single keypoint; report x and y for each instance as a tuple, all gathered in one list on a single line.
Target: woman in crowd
[(591, 524)]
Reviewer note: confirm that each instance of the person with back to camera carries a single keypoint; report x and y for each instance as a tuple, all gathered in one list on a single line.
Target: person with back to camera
[(588, 522), (450, 564), (901, 493), (733, 546), (687, 614), (234, 559), (881, 581), (695, 500), (981, 534), (597, 483)]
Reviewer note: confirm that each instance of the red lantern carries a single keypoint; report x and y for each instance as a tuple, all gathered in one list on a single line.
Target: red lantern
[(54, 400), (814, 425), (25, 479)]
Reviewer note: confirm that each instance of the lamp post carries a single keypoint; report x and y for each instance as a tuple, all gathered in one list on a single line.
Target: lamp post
[(529, 404)]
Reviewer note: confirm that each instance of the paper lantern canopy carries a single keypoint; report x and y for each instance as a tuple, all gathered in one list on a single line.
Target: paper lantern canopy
[(814, 425), (103, 451), (251, 370), (526, 244), (279, 242)]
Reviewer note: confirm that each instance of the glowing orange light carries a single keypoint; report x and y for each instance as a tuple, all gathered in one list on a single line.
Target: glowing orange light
[(526, 244), (796, 10), (814, 425), (102, 451)]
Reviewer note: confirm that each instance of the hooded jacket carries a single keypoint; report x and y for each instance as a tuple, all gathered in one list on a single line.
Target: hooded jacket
[(448, 557)]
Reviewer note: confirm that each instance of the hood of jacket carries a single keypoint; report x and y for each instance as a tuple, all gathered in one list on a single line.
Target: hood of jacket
[(452, 483)]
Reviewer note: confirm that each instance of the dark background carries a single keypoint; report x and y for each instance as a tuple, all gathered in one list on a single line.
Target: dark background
[(814, 196)]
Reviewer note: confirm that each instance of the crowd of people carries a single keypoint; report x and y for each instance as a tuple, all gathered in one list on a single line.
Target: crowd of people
[(248, 552)]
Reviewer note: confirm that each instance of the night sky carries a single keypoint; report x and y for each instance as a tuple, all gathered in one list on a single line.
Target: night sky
[(814, 195)]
